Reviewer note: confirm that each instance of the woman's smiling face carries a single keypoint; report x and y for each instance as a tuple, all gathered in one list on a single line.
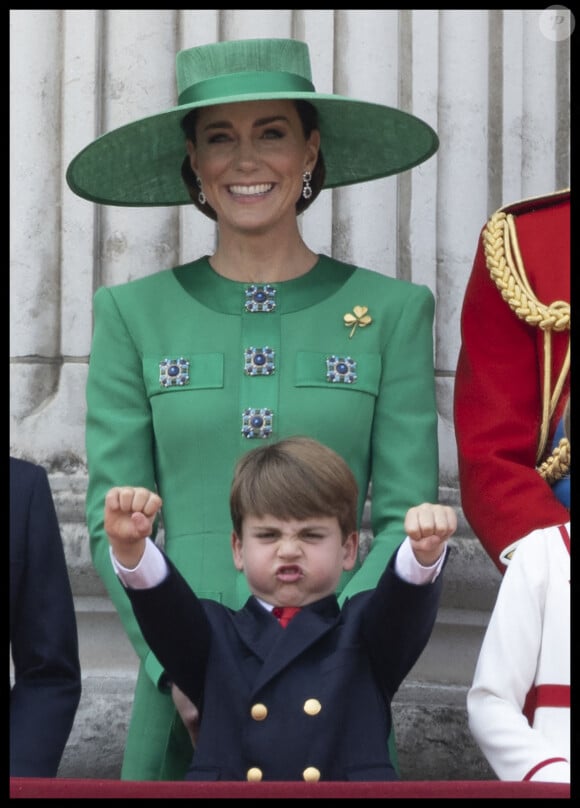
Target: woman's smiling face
[(250, 157)]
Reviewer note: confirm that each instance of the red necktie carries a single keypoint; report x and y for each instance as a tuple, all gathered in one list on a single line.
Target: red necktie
[(285, 614)]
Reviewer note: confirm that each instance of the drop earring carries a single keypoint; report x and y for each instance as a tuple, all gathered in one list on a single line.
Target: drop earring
[(306, 190), (201, 196)]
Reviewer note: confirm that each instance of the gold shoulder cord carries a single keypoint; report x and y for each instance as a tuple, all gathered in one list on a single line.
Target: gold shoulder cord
[(504, 261)]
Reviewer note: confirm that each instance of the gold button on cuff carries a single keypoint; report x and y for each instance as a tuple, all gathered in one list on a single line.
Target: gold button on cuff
[(254, 775), (312, 707), (311, 775), (259, 712)]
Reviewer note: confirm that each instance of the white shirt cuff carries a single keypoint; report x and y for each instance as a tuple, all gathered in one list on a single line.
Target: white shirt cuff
[(409, 569), (152, 568), (150, 571)]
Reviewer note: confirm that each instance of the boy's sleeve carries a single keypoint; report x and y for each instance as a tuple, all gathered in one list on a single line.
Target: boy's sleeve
[(149, 572)]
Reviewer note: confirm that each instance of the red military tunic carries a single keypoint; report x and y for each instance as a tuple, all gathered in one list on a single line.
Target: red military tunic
[(515, 344)]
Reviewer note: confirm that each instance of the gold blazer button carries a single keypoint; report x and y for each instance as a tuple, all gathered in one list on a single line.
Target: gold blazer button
[(312, 707), (254, 775), (259, 712), (311, 774)]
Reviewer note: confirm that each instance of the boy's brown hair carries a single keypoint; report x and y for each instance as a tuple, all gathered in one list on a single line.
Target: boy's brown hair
[(295, 478)]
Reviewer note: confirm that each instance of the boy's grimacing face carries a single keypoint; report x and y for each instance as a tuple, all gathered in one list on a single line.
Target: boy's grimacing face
[(293, 562)]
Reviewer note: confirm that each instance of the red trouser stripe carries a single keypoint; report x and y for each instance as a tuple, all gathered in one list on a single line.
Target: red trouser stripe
[(565, 535)]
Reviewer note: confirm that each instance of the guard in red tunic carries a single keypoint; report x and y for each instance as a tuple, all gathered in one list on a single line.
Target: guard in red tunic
[(513, 375)]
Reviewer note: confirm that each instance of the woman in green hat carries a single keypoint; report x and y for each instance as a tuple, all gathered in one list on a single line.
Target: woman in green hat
[(260, 340)]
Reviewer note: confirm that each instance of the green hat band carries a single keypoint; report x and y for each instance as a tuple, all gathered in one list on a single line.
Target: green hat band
[(243, 83)]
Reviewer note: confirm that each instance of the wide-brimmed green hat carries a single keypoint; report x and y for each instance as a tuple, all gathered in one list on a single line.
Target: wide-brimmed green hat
[(139, 164)]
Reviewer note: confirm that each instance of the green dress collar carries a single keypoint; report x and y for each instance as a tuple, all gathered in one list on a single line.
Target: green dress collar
[(221, 294)]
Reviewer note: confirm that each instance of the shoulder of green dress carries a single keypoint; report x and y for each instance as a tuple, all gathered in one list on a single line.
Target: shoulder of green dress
[(535, 203), (153, 284), (356, 273)]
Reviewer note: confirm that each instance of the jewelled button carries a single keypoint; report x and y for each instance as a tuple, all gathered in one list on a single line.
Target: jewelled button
[(341, 369), (257, 423), (259, 361), (260, 298), (311, 774), (254, 775), (173, 372)]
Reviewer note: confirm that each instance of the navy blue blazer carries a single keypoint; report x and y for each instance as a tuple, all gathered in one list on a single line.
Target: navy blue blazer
[(309, 702), (43, 630)]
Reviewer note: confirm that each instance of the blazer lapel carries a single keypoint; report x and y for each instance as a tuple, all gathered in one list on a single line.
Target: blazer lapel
[(277, 646)]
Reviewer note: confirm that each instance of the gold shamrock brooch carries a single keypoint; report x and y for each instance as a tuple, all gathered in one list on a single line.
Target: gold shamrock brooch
[(359, 317)]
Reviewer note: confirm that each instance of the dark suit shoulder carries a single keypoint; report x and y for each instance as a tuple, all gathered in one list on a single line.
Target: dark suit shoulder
[(26, 478), (25, 469)]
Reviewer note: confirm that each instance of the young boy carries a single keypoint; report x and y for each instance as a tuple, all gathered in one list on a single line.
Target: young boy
[(310, 701), (519, 703)]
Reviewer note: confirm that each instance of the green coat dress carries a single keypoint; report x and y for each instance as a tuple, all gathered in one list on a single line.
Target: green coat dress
[(189, 370)]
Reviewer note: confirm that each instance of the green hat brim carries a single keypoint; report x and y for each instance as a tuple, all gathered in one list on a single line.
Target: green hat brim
[(139, 164)]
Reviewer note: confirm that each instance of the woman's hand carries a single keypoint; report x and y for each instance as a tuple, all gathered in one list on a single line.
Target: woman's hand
[(188, 712)]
